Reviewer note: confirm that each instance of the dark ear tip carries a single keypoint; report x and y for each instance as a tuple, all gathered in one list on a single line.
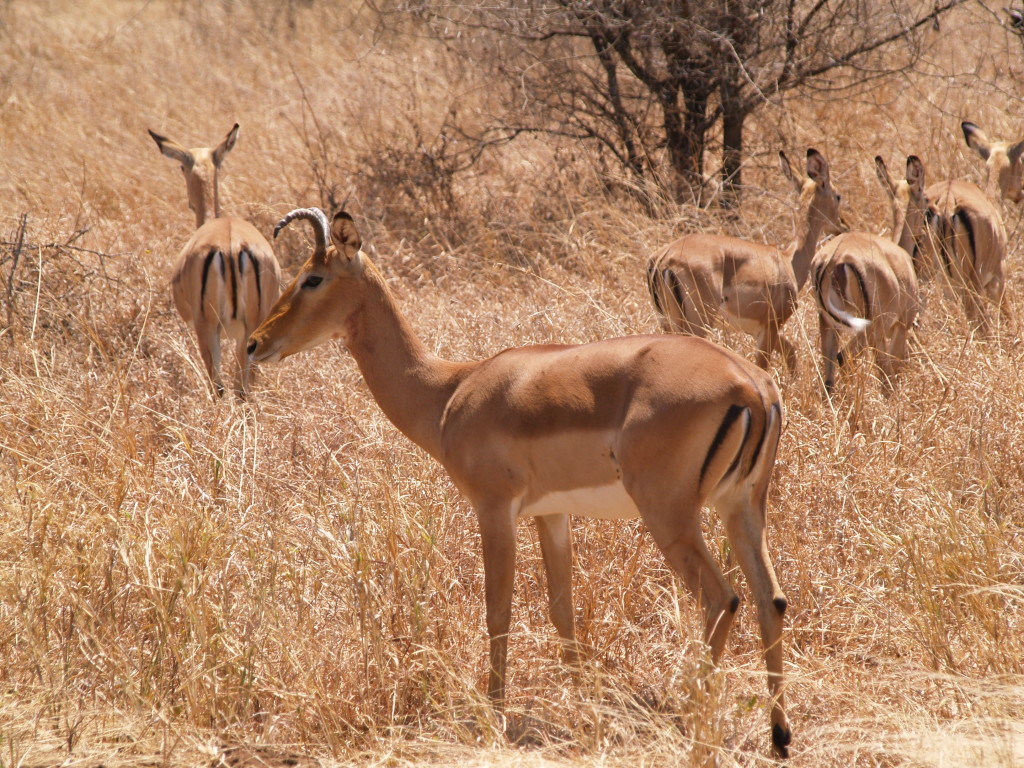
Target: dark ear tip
[(343, 214), (879, 160)]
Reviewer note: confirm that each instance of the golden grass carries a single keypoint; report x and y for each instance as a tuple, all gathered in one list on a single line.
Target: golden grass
[(180, 575)]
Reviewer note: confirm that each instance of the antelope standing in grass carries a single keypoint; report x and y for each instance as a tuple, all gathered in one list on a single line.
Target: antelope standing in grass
[(226, 278), (649, 426), (868, 285), (700, 280), (967, 244), (1003, 161)]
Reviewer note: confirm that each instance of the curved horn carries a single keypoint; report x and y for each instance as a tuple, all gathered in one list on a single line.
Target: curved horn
[(321, 227)]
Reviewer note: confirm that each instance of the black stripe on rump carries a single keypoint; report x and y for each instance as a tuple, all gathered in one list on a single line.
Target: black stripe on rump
[(677, 289), (734, 412), (652, 271), (256, 273), (206, 276), (965, 219)]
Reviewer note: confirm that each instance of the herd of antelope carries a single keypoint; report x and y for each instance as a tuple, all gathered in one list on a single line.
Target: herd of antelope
[(651, 426)]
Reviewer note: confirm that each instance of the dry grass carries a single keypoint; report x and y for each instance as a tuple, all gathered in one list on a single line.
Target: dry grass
[(180, 575)]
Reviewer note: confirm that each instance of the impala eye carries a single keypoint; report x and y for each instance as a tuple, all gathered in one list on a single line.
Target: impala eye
[(312, 281)]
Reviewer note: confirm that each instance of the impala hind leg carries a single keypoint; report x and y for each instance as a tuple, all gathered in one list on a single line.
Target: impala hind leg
[(208, 338), (556, 548), (745, 524), (677, 534), (243, 377)]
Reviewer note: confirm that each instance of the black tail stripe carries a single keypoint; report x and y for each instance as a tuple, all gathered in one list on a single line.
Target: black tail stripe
[(206, 275), (757, 448), (234, 288), (731, 415)]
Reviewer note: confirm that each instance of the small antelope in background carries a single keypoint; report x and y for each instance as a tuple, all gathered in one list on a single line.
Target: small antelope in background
[(867, 284), (1003, 161), (968, 246), (701, 279), (226, 279), (643, 426)]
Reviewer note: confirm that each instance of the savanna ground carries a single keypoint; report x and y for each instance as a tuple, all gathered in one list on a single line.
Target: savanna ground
[(292, 580)]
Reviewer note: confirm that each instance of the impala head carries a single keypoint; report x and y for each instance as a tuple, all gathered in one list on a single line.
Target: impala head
[(329, 288), (200, 167), (1003, 160), (909, 205), (817, 195)]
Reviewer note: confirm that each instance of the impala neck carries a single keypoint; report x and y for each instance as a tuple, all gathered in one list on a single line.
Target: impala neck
[(203, 198), (808, 231), (902, 234), (411, 385)]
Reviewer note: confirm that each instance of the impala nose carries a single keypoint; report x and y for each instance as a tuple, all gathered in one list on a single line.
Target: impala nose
[(252, 347)]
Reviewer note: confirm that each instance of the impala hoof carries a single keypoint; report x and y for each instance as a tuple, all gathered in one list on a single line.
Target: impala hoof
[(780, 740)]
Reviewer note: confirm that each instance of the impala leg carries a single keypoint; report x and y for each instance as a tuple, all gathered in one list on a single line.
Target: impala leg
[(745, 525), (498, 536), (679, 538), (208, 336), (829, 353), (556, 547), (244, 376)]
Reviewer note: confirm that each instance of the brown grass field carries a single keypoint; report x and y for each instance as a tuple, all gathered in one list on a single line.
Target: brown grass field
[(188, 581)]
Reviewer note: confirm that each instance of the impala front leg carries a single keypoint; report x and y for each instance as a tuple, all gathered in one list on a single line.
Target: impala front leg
[(498, 537)]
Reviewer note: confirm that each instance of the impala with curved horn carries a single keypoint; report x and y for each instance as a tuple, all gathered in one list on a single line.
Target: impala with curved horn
[(649, 426), (701, 279), (226, 278), (867, 284)]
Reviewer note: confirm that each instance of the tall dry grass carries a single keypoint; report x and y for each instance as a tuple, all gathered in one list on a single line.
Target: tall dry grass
[(293, 580)]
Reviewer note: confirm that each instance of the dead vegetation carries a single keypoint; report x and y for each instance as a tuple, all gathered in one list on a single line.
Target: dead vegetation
[(180, 576)]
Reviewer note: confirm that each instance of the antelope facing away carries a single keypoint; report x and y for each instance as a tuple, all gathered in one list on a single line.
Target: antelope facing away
[(868, 284), (649, 426), (967, 245), (1003, 161), (226, 278), (701, 279)]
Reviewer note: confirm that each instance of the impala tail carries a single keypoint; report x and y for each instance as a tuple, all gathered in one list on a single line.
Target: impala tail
[(835, 288)]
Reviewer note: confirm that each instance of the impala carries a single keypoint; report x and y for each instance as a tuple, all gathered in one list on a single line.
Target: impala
[(700, 279), (1003, 161), (967, 244), (868, 284), (649, 426), (226, 278)]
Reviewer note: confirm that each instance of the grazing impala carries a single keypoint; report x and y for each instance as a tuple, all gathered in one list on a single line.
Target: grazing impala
[(654, 426), (867, 284), (1004, 162), (226, 278), (700, 279)]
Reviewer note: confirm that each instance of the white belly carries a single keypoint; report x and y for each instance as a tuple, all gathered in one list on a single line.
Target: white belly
[(606, 502)]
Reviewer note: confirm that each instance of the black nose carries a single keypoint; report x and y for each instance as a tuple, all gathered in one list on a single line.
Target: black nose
[(252, 346)]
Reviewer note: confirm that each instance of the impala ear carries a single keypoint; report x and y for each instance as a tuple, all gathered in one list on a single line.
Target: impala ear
[(225, 146), (976, 139), (915, 174), (1016, 151), (174, 150), (787, 171), (817, 167), (345, 236), (884, 177)]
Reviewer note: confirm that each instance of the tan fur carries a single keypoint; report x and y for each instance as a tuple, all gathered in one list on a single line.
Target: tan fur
[(706, 280), (675, 422), (968, 247), (226, 277), (868, 284), (1003, 162)]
